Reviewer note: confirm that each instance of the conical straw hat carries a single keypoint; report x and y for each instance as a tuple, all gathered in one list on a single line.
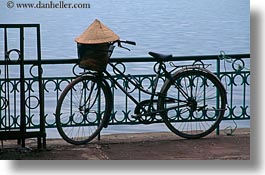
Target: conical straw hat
[(97, 33)]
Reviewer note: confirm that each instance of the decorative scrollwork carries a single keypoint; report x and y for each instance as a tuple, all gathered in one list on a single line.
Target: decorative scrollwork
[(3, 103), (121, 68), (33, 71), (13, 54), (76, 70), (238, 65), (50, 121), (156, 67), (32, 102), (147, 82), (129, 86), (51, 85), (198, 63)]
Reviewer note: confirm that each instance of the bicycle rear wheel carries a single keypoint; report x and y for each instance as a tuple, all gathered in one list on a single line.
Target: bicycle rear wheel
[(82, 110), (193, 104)]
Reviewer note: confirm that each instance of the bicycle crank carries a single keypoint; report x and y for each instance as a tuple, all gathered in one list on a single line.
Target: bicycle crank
[(145, 112)]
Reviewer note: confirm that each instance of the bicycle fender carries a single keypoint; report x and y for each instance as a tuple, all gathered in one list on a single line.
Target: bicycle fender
[(98, 78), (190, 68), (107, 118), (217, 79)]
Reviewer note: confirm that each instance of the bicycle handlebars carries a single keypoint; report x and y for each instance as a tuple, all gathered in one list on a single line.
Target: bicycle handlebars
[(129, 42), (126, 42)]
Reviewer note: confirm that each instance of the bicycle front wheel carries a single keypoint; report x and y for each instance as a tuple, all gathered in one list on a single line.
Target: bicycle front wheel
[(83, 110), (193, 103)]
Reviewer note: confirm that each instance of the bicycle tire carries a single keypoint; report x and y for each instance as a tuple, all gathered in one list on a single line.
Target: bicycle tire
[(197, 114), (80, 113)]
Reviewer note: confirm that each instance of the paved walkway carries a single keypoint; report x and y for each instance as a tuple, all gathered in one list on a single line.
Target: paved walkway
[(148, 146)]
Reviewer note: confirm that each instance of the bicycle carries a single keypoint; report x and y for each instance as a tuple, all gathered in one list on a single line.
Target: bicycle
[(191, 95)]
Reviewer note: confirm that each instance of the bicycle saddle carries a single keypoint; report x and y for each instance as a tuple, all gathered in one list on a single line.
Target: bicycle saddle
[(160, 57)]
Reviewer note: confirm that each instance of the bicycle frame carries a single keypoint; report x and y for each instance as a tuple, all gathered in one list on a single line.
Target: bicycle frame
[(153, 93)]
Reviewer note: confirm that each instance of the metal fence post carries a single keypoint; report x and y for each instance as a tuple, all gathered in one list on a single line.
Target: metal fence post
[(218, 75)]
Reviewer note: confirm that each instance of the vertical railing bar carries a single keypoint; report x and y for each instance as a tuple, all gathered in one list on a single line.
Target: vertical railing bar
[(6, 73), (41, 89), (7, 95), (22, 88), (113, 94), (139, 91), (29, 102), (217, 94), (126, 99), (15, 103), (99, 107), (231, 97), (244, 96)]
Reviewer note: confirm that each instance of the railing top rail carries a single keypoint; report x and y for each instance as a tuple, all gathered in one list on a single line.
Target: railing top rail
[(132, 59), (18, 25), (178, 58)]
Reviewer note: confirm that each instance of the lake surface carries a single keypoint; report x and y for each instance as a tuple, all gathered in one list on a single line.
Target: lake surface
[(182, 27), (178, 27)]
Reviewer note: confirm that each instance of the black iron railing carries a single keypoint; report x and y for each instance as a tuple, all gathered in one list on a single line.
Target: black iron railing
[(34, 96), (61, 72)]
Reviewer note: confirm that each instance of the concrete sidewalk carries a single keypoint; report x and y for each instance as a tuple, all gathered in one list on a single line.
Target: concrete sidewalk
[(147, 146)]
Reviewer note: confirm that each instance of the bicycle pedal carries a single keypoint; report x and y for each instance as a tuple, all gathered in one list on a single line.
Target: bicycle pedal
[(135, 116)]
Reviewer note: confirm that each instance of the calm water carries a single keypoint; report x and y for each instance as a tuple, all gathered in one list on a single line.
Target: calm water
[(178, 27), (182, 27)]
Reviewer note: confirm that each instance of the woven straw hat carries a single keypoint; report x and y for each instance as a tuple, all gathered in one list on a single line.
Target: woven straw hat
[(97, 33)]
